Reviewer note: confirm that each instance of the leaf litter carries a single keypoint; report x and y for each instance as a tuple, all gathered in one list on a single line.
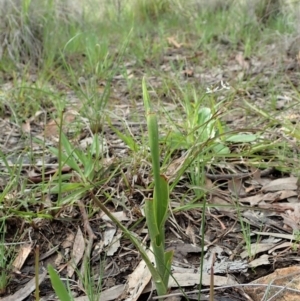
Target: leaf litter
[(268, 213)]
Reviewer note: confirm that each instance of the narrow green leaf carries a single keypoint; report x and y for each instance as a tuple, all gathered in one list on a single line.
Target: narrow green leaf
[(156, 237), (58, 285), (161, 288), (168, 262), (162, 201), (156, 210), (151, 219), (127, 139), (154, 148), (67, 159)]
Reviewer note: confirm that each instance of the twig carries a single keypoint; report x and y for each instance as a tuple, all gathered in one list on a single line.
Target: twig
[(228, 286), (263, 173)]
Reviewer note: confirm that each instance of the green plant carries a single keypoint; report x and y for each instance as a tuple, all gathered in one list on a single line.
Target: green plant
[(6, 259), (156, 209), (202, 130), (295, 245), (267, 10), (246, 232), (94, 105), (87, 165), (11, 204), (153, 9), (62, 293), (27, 28), (91, 279), (25, 95), (127, 138)]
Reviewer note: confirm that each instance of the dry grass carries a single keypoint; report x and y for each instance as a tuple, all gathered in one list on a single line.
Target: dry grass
[(25, 24)]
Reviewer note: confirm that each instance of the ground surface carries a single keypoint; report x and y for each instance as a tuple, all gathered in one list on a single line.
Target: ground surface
[(252, 220)]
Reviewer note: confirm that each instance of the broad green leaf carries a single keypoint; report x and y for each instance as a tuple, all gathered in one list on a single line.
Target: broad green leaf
[(242, 138), (205, 124), (66, 187), (204, 115), (221, 149)]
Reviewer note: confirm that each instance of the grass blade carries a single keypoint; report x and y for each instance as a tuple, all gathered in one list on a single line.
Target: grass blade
[(58, 285)]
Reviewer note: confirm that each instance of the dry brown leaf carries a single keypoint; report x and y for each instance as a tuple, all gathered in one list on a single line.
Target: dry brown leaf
[(120, 215), (112, 293), (281, 184), (172, 41), (278, 235), (174, 167), (285, 278), (77, 252), (52, 127), (68, 242), (191, 279), (26, 128), (262, 260), (284, 245), (109, 235), (173, 298), (235, 186), (25, 291), (244, 63), (114, 245), (23, 253), (188, 72), (138, 279), (190, 232), (257, 248), (252, 200)]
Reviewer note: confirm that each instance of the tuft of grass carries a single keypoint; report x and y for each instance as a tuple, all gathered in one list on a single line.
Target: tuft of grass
[(144, 10), (6, 259), (27, 29), (267, 10), (23, 100)]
